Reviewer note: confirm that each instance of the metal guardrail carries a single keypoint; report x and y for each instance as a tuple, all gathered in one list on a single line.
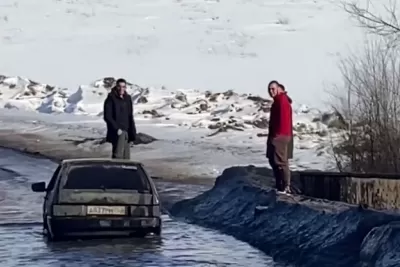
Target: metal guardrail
[(351, 174), (379, 191)]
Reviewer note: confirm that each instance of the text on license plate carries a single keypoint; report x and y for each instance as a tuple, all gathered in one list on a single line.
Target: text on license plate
[(105, 210)]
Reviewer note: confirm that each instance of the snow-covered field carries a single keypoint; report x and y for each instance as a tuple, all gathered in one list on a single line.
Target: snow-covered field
[(223, 52), (203, 44)]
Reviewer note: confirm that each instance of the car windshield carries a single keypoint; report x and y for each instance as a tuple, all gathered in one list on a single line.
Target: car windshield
[(107, 177)]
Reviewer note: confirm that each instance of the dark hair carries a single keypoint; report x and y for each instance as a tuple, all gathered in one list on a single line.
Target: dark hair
[(273, 82), (281, 86), (120, 80)]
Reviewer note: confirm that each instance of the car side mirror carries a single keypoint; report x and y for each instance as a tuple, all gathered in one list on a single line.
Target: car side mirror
[(39, 187)]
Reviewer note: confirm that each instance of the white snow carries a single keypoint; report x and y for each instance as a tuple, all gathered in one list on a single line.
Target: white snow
[(204, 44), (194, 65)]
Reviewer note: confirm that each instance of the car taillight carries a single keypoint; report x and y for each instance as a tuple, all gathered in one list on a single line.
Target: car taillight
[(144, 211)]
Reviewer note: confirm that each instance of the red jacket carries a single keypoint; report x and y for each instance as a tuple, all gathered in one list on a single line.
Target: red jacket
[(280, 120)]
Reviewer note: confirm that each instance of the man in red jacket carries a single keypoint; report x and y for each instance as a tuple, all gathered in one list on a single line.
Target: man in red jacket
[(280, 136)]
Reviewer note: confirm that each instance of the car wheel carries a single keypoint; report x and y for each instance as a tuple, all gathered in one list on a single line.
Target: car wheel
[(45, 229), (50, 235), (157, 231), (139, 234)]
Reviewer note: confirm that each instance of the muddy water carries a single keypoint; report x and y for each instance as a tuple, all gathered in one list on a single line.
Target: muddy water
[(21, 242)]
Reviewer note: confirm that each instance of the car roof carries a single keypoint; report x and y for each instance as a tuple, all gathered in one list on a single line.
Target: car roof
[(100, 161)]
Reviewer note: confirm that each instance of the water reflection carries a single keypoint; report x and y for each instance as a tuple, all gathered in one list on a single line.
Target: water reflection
[(180, 245)]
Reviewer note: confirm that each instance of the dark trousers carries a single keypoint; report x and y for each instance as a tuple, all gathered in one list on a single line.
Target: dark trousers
[(121, 148), (277, 153)]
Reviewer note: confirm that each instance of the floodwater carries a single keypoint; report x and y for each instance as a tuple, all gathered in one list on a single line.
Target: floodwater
[(181, 244)]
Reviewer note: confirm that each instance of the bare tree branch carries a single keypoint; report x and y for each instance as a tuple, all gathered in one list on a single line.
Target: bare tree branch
[(386, 25)]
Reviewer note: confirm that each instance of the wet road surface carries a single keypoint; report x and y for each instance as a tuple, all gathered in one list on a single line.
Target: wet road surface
[(181, 244)]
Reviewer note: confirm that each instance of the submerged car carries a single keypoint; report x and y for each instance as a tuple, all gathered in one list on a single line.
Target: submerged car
[(99, 197)]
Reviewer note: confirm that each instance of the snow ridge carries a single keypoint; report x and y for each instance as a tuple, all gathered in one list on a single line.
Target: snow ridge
[(218, 112)]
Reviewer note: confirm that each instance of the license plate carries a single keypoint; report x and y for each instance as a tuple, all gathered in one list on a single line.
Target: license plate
[(105, 210)]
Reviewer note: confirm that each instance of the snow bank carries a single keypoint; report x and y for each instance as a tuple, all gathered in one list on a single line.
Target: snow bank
[(217, 111), (294, 229)]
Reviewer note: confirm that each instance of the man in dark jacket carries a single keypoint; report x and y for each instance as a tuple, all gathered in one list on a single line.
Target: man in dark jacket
[(280, 136), (118, 115)]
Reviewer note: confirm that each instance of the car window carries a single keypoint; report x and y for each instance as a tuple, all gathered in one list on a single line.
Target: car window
[(107, 177), (53, 179)]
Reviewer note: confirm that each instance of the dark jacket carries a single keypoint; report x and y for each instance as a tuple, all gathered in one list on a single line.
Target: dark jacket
[(281, 122), (118, 114)]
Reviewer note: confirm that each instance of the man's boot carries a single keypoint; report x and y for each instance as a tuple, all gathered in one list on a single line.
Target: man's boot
[(286, 180), (278, 179)]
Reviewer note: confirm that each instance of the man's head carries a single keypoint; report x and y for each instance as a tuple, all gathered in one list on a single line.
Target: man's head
[(275, 88), (120, 86)]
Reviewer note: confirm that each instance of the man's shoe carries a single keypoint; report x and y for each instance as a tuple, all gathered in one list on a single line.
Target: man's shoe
[(287, 191)]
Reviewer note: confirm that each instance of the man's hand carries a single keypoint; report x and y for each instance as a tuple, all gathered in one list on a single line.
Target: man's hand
[(119, 132)]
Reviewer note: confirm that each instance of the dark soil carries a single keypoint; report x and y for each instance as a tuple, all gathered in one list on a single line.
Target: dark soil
[(294, 229)]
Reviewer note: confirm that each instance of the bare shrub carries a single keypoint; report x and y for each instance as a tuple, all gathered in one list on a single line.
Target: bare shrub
[(386, 24), (369, 100)]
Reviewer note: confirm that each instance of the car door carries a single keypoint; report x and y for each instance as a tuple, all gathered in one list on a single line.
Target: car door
[(48, 198)]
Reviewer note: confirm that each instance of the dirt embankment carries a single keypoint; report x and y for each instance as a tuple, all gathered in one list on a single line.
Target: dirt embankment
[(294, 229)]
